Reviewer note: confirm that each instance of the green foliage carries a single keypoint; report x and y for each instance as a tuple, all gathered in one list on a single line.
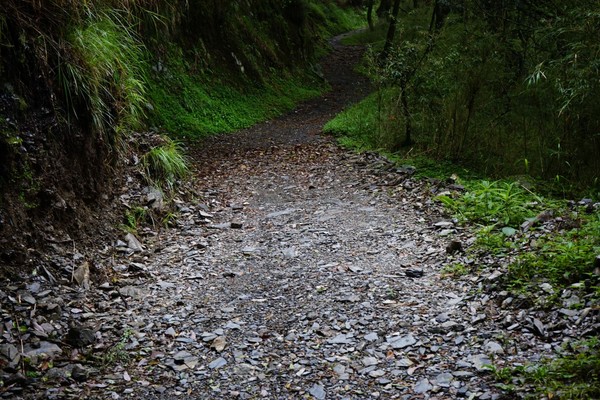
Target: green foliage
[(455, 270), (368, 37), (574, 376), (507, 91), (357, 125), (117, 353), (107, 73), (192, 106), (165, 165), (561, 258), (333, 19), (496, 203), (134, 217)]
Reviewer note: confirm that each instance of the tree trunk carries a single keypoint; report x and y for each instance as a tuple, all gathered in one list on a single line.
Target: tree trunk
[(389, 40), (384, 8), (370, 14), (406, 112)]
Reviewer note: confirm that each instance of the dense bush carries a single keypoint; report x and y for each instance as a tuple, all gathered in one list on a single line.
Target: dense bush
[(511, 87)]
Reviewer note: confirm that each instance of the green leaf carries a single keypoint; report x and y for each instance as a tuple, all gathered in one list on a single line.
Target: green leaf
[(508, 231)]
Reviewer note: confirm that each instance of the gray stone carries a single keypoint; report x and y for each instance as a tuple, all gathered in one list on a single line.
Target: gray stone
[(378, 373), (132, 291), (368, 361), (45, 349), (444, 379), (11, 354), (404, 363), (280, 213), (133, 243), (340, 339), (155, 199), (493, 347), (218, 363), (371, 337), (318, 392), (423, 386), (442, 318), (401, 342), (80, 337), (480, 361)]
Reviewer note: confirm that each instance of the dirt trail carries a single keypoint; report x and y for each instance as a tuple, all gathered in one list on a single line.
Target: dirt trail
[(299, 271), (304, 123), (304, 271)]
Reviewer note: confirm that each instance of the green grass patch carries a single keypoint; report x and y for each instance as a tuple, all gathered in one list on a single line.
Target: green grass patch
[(375, 37), (575, 375), (107, 75), (164, 165), (189, 105), (333, 20), (499, 203), (560, 258), (357, 125)]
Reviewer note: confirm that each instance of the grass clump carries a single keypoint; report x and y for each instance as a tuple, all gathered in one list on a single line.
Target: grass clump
[(511, 219), (500, 203), (357, 126), (164, 165), (561, 258), (575, 375), (106, 76)]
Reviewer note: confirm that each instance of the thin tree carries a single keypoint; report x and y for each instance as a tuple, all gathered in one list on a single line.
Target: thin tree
[(389, 39), (370, 14)]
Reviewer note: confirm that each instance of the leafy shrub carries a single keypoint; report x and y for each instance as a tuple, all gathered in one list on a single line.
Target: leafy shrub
[(165, 165), (495, 203)]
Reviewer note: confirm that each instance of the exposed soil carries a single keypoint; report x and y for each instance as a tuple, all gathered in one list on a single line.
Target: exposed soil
[(298, 270)]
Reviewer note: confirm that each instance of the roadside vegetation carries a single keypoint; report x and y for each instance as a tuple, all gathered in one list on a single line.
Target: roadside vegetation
[(90, 88), (506, 120)]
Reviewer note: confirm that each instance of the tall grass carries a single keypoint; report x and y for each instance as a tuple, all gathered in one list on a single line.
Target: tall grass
[(164, 165), (107, 72)]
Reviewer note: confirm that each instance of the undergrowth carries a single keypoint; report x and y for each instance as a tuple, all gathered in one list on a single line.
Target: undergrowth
[(107, 75), (194, 106), (575, 375), (164, 165)]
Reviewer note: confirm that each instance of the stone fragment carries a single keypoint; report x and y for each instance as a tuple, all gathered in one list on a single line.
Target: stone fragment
[(401, 342), (10, 353), (454, 246), (236, 225), (444, 379), (219, 344), (422, 386), (218, 363), (80, 337), (371, 337), (538, 327), (318, 392), (480, 361), (45, 349), (133, 243), (414, 272), (492, 347), (82, 275), (378, 373), (340, 339), (368, 361)]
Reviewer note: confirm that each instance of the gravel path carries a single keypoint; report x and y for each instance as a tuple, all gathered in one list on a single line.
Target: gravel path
[(298, 271), (304, 271), (307, 276)]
